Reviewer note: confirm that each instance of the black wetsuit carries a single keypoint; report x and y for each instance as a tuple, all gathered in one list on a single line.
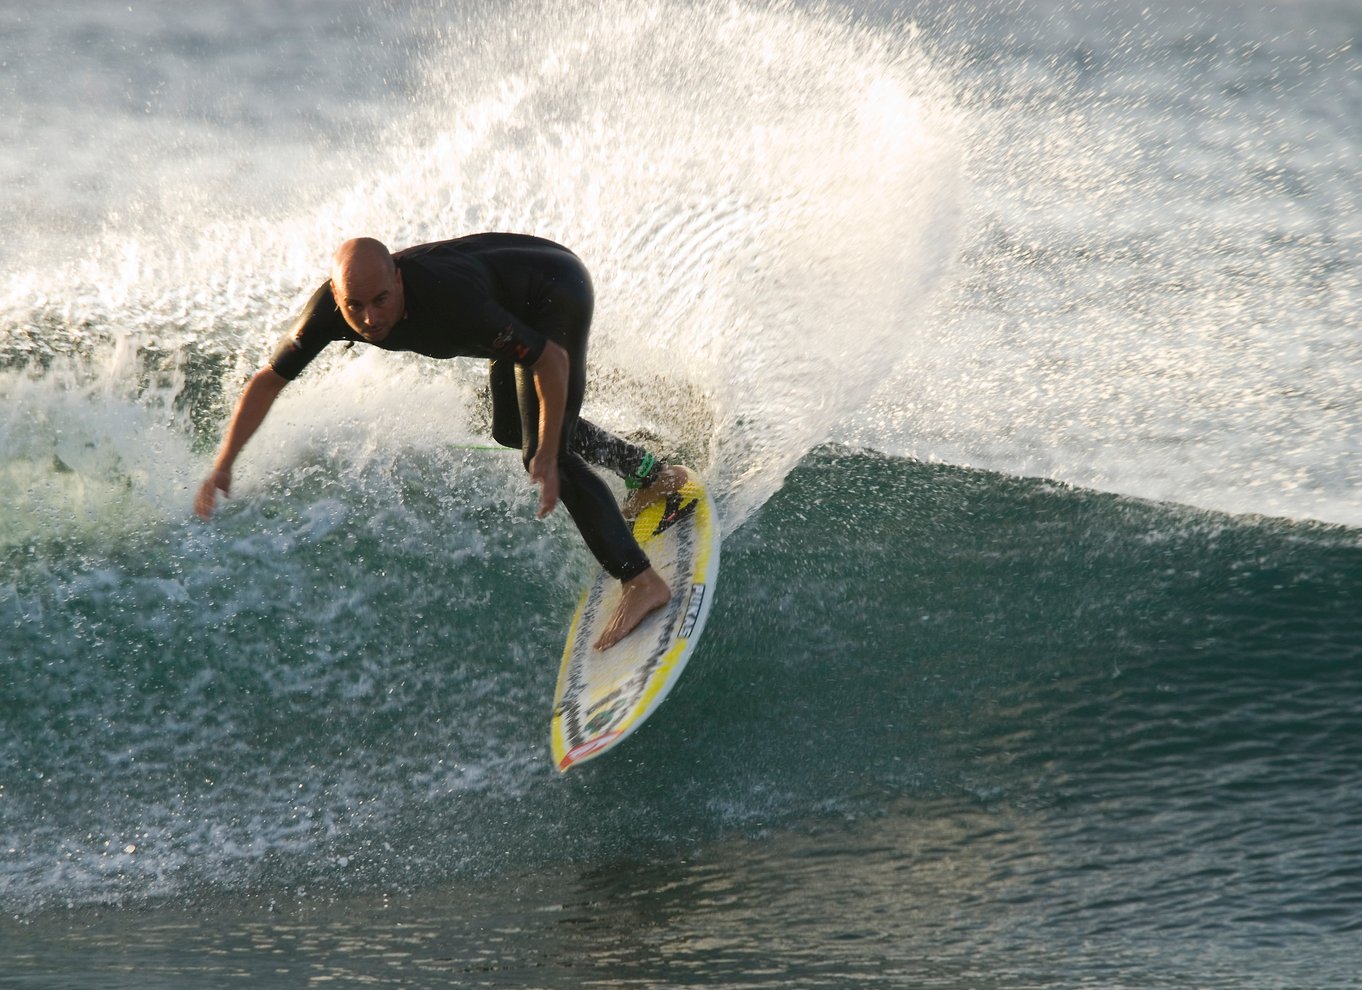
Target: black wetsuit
[(502, 297)]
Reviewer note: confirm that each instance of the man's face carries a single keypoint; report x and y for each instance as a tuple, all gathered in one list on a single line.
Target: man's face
[(370, 298)]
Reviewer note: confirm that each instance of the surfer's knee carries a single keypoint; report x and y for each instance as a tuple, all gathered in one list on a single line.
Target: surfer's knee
[(507, 436)]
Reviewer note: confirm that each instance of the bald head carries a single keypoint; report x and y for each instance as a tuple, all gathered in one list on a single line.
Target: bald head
[(367, 286), (360, 255)]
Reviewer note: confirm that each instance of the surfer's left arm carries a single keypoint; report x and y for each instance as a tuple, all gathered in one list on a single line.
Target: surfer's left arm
[(550, 382)]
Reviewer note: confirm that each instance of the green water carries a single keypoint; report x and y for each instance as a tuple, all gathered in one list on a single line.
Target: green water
[(1121, 732)]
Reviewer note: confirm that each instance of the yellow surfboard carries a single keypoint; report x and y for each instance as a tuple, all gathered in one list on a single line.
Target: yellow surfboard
[(603, 696)]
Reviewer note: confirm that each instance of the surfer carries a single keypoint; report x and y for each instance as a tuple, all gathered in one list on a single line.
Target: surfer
[(524, 303)]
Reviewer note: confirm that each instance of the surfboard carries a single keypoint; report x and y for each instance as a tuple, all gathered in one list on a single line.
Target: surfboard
[(604, 695)]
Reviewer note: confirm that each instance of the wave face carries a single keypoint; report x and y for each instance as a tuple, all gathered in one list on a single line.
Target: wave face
[(1110, 725), (382, 679), (1015, 340)]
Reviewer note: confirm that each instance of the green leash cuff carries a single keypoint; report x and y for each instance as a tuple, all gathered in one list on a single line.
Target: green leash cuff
[(643, 475)]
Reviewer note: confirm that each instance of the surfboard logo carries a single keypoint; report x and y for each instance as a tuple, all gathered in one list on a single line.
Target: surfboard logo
[(600, 721), (693, 607), (674, 512)]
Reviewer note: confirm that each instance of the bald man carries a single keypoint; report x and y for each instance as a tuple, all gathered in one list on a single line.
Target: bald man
[(525, 304)]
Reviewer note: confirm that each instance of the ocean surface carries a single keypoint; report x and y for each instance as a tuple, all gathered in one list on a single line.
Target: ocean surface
[(1018, 340)]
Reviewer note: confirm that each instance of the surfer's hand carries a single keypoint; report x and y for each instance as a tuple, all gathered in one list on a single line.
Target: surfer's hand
[(544, 473), (206, 501)]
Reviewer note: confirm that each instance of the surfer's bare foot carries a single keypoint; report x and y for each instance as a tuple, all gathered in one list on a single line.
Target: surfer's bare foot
[(669, 479), (643, 595)]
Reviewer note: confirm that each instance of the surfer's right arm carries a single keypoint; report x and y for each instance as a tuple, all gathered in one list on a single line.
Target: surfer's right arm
[(256, 399), (316, 326)]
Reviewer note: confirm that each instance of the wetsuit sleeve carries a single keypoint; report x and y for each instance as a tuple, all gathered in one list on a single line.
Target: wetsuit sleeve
[(311, 332), (510, 337)]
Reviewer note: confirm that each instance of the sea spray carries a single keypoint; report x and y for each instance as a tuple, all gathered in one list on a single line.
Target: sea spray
[(357, 653)]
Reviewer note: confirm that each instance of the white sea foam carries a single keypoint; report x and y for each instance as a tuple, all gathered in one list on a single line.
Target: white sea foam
[(1153, 296), (764, 198)]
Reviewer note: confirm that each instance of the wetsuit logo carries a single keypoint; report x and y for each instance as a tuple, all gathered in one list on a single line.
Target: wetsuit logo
[(505, 341)]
